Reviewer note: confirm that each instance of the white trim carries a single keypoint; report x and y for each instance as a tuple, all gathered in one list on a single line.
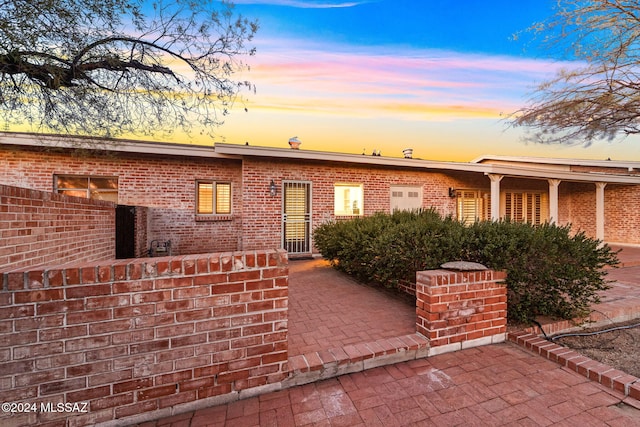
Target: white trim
[(328, 156), (486, 168), (600, 187), (553, 199), (106, 144), (629, 165)]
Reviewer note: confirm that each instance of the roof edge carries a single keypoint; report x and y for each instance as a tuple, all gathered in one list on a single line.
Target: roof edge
[(288, 153), (560, 161), (108, 144)]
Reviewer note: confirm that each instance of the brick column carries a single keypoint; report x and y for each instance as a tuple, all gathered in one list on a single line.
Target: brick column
[(461, 309)]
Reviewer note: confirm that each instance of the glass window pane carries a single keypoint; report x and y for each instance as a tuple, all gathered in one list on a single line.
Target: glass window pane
[(205, 198), (348, 199), (223, 198), (75, 193), (101, 188), (72, 182), (110, 196), (104, 183)]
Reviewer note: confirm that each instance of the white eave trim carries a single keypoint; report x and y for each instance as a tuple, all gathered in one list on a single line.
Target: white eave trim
[(327, 156), (539, 173), (105, 144), (629, 165), (486, 168), (234, 151)]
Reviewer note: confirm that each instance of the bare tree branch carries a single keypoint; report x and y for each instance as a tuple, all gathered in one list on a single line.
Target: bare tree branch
[(600, 97), (103, 67)]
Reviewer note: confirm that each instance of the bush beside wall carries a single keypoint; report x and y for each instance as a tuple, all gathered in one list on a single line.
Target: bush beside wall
[(550, 271)]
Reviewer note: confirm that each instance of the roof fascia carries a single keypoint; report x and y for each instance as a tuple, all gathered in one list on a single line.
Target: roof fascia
[(327, 156), (560, 161), (519, 172), (486, 168), (104, 144)]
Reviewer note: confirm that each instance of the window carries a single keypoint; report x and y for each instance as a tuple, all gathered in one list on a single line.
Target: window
[(348, 199), (473, 205), (528, 207), (405, 198), (213, 198), (90, 187)]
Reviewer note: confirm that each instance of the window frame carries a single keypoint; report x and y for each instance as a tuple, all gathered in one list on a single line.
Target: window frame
[(529, 210), (347, 212), (481, 202), (215, 213), (89, 192)]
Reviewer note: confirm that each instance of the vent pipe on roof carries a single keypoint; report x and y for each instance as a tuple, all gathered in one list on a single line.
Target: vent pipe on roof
[(294, 143)]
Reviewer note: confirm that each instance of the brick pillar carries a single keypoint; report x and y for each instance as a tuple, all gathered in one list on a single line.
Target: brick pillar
[(461, 309)]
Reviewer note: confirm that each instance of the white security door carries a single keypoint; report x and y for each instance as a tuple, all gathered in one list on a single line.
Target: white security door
[(296, 217)]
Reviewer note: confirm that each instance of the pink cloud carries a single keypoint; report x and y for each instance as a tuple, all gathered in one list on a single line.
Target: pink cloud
[(405, 82)]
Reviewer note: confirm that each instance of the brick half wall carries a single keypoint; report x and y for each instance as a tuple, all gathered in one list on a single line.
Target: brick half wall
[(37, 228), (457, 310), (140, 336)]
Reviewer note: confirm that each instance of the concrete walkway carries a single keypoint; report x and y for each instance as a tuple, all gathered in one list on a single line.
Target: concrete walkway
[(501, 384)]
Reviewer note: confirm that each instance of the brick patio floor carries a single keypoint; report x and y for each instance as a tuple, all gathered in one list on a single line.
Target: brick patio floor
[(486, 386), (329, 310), (493, 385)]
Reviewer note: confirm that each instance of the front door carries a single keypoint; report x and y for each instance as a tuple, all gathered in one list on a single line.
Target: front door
[(296, 217)]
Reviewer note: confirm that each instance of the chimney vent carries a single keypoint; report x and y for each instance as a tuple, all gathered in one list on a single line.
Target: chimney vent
[(294, 143)]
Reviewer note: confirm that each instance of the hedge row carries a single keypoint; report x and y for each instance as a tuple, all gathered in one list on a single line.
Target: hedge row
[(550, 270)]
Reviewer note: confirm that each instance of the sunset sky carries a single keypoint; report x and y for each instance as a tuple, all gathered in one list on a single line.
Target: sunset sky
[(435, 75), (438, 76)]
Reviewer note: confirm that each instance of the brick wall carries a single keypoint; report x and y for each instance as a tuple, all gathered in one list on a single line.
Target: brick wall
[(163, 184), (38, 227), (457, 310), (141, 335), (166, 187), (622, 216), (577, 203), (141, 231), (262, 213)]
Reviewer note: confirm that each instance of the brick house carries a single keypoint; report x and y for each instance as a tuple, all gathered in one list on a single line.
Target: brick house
[(238, 197)]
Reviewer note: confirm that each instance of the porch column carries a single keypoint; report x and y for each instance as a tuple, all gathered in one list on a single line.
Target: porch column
[(495, 195), (600, 210), (553, 200)]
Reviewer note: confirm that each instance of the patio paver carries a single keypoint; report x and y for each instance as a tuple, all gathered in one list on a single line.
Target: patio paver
[(486, 386), (500, 384), (329, 310)]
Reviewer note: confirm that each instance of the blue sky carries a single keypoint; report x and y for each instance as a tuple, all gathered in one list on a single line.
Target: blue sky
[(435, 75), (463, 26)]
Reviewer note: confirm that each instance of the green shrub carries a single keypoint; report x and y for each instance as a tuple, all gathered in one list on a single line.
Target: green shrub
[(549, 271), (389, 249)]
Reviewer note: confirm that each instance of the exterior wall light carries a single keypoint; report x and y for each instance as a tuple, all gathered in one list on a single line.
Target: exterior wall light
[(452, 192), (273, 190)]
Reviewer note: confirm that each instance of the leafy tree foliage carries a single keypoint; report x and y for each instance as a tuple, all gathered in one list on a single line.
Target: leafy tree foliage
[(600, 97), (108, 67)]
